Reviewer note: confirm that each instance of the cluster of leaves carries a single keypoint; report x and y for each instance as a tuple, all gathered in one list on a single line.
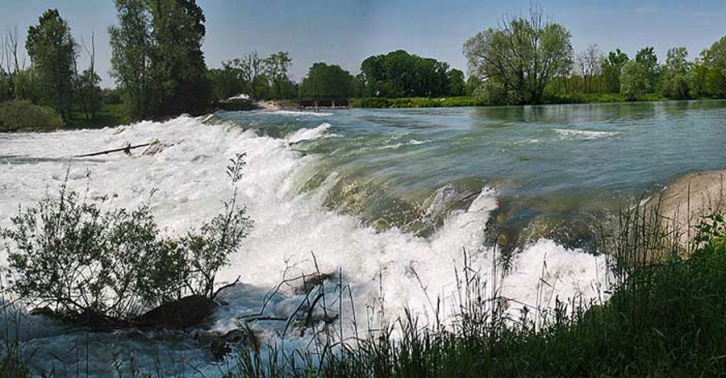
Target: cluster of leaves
[(23, 115), (157, 59), (258, 77), (516, 62), (54, 79), (400, 74), (73, 256)]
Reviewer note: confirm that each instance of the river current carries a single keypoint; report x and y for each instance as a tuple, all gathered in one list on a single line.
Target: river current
[(388, 200)]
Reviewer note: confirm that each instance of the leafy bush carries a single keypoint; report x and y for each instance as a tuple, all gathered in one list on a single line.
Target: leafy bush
[(23, 115), (78, 259)]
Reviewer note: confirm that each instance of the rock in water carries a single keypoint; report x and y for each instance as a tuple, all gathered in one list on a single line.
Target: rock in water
[(683, 203), (184, 313)]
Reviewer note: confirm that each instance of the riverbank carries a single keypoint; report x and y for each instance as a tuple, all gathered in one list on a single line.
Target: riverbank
[(469, 101)]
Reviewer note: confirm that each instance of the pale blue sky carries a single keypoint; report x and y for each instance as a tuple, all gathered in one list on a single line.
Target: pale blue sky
[(347, 31)]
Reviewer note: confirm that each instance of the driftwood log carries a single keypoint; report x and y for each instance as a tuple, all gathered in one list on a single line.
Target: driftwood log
[(126, 149)]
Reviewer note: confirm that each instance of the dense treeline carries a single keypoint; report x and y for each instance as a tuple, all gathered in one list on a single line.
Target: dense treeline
[(160, 70), (530, 61), (400, 74)]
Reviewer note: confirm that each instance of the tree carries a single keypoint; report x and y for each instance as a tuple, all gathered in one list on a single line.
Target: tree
[(131, 46), (53, 53), (400, 74), (634, 80), (589, 64), (676, 74), (87, 85), (177, 66), (277, 66), (649, 62), (328, 82), (157, 60), (457, 85), (517, 60), (224, 81), (252, 73), (715, 61), (612, 68)]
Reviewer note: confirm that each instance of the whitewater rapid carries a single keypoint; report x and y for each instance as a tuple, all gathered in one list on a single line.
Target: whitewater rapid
[(186, 183)]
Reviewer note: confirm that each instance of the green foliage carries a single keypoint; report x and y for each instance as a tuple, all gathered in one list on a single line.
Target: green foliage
[(400, 74), (278, 66), (516, 61), (611, 69), (416, 102), (634, 81), (261, 78), (89, 93), (328, 82), (457, 85), (23, 115), (80, 260), (53, 52), (157, 60), (676, 75), (178, 70)]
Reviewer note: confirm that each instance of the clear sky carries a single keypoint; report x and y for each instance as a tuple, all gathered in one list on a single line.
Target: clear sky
[(345, 32)]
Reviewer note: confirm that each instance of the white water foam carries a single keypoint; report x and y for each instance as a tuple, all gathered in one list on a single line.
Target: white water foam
[(301, 113), (571, 134), (308, 134), (390, 266)]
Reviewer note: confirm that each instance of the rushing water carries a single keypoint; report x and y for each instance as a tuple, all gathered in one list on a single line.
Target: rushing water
[(558, 169), (388, 198)]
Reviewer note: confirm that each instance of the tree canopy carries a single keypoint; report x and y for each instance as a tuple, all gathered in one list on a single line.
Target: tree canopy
[(517, 60), (53, 53), (157, 59), (325, 81), (400, 74)]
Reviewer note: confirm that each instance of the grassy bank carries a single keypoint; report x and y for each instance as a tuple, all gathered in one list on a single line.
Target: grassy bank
[(450, 102)]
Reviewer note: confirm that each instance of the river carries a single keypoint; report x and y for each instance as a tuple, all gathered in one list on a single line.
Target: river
[(387, 199)]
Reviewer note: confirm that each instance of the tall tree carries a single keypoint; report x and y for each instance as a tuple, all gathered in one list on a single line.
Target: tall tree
[(277, 66), (400, 74), (177, 66), (612, 67), (715, 60), (589, 64), (157, 57), (53, 53), (649, 62), (131, 46), (457, 85), (676, 74), (252, 73), (328, 82), (87, 84), (634, 80), (518, 59)]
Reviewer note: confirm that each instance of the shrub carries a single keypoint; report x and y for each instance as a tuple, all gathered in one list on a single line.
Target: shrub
[(77, 259), (23, 115)]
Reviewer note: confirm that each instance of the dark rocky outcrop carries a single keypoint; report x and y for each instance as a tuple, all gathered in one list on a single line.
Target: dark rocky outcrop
[(183, 313)]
